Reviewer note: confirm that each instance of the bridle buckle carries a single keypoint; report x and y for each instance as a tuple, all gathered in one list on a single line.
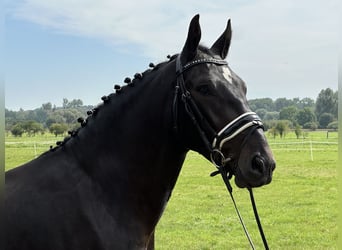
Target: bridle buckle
[(217, 158)]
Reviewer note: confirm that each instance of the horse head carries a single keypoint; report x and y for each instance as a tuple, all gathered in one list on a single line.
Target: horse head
[(214, 97)]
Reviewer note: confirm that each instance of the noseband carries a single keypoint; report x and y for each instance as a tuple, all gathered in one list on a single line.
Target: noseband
[(213, 140)]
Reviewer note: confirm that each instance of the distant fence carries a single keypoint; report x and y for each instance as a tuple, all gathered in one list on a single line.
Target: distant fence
[(36, 147), (305, 145)]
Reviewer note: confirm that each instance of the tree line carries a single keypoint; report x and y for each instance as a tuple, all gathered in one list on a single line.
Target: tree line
[(279, 116), (295, 114), (48, 117)]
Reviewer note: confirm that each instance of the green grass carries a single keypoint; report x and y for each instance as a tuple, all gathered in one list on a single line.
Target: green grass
[(298, 210), (19, 150)]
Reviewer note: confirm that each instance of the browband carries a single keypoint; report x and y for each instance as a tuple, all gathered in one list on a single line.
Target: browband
[(180, 69)]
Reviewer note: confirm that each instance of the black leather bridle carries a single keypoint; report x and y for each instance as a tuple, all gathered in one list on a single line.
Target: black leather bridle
[(214, 141)]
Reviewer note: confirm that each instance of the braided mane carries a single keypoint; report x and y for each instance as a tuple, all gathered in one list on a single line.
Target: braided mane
[(120, 90)]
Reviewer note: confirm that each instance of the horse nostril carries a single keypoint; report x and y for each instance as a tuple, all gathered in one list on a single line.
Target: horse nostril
[(258, 164)]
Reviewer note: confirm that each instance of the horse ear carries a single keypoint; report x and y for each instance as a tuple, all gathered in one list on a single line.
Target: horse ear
[(194, 36), (221, 46)]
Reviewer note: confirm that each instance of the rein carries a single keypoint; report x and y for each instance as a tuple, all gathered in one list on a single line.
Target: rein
[(248, 120)]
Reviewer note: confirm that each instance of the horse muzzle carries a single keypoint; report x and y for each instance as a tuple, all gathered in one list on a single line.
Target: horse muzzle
[(253, 163), (255, 171)]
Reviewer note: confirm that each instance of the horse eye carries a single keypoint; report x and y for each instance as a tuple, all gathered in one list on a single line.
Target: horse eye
[(203, 89)]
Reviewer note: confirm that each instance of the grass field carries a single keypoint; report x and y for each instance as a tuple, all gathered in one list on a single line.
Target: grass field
[(298, 210)]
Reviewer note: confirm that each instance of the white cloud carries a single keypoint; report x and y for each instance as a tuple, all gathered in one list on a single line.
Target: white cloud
[(155, 24), (286, 40)]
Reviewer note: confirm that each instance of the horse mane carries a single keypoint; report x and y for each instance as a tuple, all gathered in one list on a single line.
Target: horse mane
[(138, 80)]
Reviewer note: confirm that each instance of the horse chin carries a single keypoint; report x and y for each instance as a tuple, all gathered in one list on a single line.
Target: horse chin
[(240, 183), (243, 182)]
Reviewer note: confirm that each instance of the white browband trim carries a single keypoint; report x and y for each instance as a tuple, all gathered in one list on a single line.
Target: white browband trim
[(229, 125)]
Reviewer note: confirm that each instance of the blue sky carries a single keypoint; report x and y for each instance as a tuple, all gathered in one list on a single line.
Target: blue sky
[(57, 49)]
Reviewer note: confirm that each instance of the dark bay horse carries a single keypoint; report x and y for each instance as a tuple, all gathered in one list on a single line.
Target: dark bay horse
[(107, 184)]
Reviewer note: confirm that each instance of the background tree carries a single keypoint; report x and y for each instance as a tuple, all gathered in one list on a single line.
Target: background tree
[(10, 119), (55, 117), (32, 127), (17, 130), (273, 132), (65, 103), (306, 103), (333, 125), (281, 103), (58, 128), (298, 130), (47, 106), (310, 125), (75, 103), (268, 124), (282, 127), (305, 116), (304, 111), (325, 119), (20, 115), (71, 115), (326, 102), (261, 113), (41, 115), (274, 115), (335, 109), (289, 113), (262, 103)]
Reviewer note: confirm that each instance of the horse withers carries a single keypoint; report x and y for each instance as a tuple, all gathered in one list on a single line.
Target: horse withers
[(107, 184)]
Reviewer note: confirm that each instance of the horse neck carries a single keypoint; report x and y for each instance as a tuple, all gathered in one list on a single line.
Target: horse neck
[(130, 148)]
